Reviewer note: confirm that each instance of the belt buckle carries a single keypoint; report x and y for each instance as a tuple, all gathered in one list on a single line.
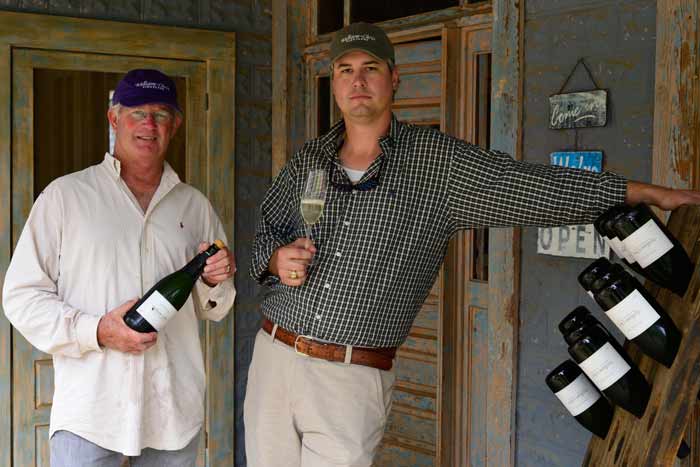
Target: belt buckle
[(296, 341)]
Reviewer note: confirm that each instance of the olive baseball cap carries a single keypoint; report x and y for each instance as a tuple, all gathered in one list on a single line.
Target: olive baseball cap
[(363, 37)]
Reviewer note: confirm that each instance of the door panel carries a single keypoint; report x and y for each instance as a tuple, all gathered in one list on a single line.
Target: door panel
[(411, 435), (464, 328), (430, 424), (52, 114)]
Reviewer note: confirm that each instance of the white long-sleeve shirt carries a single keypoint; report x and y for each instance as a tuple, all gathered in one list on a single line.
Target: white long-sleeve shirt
[(87, 248)]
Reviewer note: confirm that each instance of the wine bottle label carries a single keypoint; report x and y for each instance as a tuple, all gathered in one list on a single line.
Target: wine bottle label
[(157, 310), (579, 395), (605, 366), (633, 315), (619, 248), (647, 244)]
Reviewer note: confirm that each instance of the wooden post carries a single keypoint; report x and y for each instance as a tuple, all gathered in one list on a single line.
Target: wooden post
[(279, 85), (676, 160), (504, 244)]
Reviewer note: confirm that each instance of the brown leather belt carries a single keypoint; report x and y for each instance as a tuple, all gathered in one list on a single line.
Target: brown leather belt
[(381, 358)]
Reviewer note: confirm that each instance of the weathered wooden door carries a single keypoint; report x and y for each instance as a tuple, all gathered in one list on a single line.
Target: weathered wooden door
[(442, 367), (438, 415), (465, 323), (411, 437), (52, 80), (43, 150)]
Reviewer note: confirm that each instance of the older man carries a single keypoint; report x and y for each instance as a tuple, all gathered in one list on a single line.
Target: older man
[(396, 194), (95, 240)]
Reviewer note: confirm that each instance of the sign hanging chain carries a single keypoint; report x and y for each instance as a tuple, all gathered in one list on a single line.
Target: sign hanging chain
[(580, 61)]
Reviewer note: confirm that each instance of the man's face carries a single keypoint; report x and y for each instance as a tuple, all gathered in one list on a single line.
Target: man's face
[(363, 86), (144, 132)]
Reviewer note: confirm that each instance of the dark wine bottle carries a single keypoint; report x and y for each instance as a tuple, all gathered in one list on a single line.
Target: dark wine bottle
[(165, 298), (581, 398), (594, 270), (638, 315), (603, 224), (655, 249), (575, 325), (620, 381)]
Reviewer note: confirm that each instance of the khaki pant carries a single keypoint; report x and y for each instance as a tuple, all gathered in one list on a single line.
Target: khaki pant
[(307, 412)]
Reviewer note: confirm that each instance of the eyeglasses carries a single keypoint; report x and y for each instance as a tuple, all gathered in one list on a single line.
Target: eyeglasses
[(159, 116)]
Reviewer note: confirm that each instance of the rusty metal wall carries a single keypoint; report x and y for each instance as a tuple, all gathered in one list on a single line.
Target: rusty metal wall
[(617, 38), (252, 21)]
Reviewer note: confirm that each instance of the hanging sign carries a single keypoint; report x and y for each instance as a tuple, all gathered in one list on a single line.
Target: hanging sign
[(584, 160), (578, 241), (578, 109)]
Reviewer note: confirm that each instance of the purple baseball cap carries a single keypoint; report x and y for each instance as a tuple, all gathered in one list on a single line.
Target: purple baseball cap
[(139, 87)]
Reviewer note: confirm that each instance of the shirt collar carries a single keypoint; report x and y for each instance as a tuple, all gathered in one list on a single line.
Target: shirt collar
[(114, 167), (331, 141)]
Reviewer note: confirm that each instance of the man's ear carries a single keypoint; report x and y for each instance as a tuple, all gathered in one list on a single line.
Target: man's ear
[(395, 78), (176, 124), (112, 118)]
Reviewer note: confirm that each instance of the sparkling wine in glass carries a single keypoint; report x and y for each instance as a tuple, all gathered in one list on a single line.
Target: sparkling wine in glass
[(313, 199)]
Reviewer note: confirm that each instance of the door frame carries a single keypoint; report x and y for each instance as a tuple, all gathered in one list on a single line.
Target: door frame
[(216, 50)]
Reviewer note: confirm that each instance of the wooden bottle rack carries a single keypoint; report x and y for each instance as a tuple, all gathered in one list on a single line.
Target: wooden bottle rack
[(654, 439)]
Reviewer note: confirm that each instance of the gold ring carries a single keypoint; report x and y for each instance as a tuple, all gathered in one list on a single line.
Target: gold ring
[(293, 275)]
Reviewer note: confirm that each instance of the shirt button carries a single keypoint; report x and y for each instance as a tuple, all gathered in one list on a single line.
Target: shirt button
[(318, 317), (338, 254), (346, 223), (327, 285)]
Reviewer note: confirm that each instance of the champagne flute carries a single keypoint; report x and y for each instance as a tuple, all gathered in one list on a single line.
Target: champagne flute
[(313, 199)]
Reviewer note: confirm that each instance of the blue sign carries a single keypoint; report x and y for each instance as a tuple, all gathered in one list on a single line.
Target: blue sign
[(586, 160)]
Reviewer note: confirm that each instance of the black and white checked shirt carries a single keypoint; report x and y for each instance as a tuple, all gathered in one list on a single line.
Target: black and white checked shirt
[(381, 242)]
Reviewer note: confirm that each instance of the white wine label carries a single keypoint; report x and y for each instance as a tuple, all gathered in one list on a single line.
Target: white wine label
[(605, 366), (633, 315), (578, 396), (647, 244), (157, 310), (619, 248)]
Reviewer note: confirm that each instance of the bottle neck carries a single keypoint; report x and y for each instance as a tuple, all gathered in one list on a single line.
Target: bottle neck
[(195, 267)]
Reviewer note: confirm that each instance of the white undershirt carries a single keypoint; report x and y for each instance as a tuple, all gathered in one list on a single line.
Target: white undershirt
[(354, 175)]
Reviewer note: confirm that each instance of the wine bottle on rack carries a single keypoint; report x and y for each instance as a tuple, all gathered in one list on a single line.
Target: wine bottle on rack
[(581, 398), (575, 325), (603, 225), (655, 249), (638, 315), (619, 380), (592, 272), (163, 300)]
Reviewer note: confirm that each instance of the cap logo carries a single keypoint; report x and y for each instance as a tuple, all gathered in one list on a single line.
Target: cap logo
[(152, 85), (357, 37)]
